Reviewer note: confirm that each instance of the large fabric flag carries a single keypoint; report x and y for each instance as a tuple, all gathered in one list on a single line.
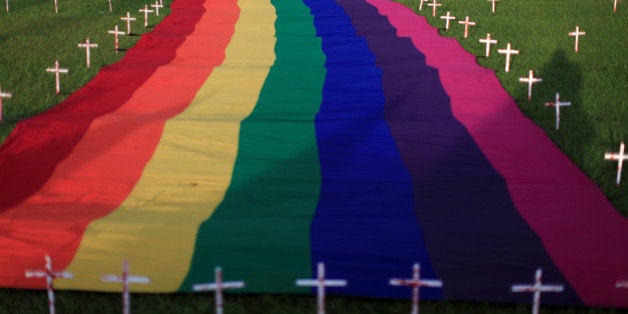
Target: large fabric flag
[(267, 136)]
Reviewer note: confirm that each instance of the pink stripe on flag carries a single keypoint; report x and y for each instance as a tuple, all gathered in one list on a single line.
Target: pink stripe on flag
[(585, 236)]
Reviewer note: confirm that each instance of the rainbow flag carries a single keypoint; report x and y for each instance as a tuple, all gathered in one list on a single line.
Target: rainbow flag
[(267, 136)]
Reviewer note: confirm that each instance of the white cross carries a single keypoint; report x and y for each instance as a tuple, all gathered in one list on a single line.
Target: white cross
[(320, 282), (50, 276), (488, 41), (156, 6), (421, 4), (447, 18), (416, 283), (537, 288), (110, 8), (88, 47), (146, 11), (577, 33), (116, 33), (57, 70), (7, 1), (619, 157), (126, 280), (621, 283), (530, 80), (466, 23), (614, 7), (493, 5), (508, 52), (128, 20), (557, 104), (3, 95), (56, 7), (218, 286), (434, 6)]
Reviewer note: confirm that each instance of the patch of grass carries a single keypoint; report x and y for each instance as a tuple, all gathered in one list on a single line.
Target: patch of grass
[(594, 80)]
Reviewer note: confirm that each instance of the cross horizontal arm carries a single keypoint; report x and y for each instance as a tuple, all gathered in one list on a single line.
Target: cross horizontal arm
[(213, 286), (326, 282)]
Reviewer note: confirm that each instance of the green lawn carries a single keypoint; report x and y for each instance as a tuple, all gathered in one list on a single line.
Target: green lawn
[(595, 80)]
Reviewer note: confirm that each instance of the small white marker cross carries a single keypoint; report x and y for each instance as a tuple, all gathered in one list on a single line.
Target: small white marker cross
[(434, 6), (508, 52), (116, 33), (619, 157), (488, 41), (421, 4), (128, 20), (57, 70), (87, 47), (530, 80), (50, 276), (320, 283), (447, 18), (466, 23), (557, 104), (218, 286), (493, 5), (416, 282), (126, 280), (577, 33), (146, 11), (3, 95), (537, 288), (156, 6)]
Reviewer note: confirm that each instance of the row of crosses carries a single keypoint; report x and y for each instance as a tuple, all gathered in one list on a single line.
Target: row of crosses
[(530, 79), (320, 283), (56, 2)]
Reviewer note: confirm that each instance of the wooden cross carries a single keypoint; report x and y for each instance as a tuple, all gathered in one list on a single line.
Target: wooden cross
[(110, 7), (577, 33), (447, 18), (126, 280), (537, 288), (128, 20), (218, 286), (488, 41), (57, 70), (619, 157), (320, 283), (508, 52), (493, 5), (3, 95), (466, 23), (416, 282), (146, 11), (50, 276), (156, 6), (530, 80), (116, 33), (557, 104), (421, 4), (88, 47), (434, 6)]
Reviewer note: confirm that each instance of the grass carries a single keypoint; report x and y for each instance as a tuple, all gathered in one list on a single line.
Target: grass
[(594, 80)]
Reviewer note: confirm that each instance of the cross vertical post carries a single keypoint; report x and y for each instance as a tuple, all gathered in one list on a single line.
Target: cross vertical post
[(537, 288), (126, 280), (110, 7), (218, 286), (87, 45), (416, 282), (50, 276), (57, 70), (577, 33), (128, 20), (421, 4), (320, 283), (530, 80), (557, 104), (116, 33), (493, 5), (508, 52), (3, 95), (619, 157), (447, 18)]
